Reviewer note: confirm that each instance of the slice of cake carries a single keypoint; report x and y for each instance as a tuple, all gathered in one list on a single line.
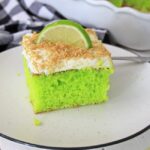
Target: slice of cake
[(61, 75)]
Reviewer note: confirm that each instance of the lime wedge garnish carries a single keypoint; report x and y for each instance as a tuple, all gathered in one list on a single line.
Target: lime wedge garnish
[(67, 32)]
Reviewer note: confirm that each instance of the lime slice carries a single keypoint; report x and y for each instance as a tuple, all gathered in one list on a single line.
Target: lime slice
[(67, 32)]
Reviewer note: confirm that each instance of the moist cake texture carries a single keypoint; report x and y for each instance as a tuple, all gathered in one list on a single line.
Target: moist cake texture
[(61, 76)]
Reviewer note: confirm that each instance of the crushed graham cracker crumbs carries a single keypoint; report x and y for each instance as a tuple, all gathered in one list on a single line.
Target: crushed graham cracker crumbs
[(49, 55)]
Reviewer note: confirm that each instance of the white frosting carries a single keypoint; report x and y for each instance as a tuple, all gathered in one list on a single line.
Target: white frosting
[(67, 64), (80, 63)]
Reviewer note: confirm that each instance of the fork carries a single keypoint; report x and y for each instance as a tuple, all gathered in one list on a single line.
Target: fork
[(141, 59), (141, 55)]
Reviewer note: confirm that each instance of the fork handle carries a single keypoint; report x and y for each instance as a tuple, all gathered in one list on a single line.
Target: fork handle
[(135, 59)]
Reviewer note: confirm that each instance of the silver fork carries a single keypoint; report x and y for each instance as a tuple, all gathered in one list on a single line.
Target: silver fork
[(132, 58), (141, 56)]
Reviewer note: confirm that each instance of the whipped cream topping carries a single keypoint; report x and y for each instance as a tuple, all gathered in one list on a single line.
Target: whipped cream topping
[(68, 64), (47, 58)]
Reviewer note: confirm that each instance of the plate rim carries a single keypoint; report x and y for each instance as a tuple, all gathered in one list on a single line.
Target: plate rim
[(132, 136), (77, 148)]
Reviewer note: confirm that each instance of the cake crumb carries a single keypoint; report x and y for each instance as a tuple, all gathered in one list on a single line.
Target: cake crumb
[(37, 122), (18, 74)]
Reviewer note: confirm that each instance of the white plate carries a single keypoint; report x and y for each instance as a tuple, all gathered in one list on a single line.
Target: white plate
[(125, 115)]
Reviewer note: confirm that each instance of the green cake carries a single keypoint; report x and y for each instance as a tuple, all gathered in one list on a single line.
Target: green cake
[(141, 5), (68, 76)]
